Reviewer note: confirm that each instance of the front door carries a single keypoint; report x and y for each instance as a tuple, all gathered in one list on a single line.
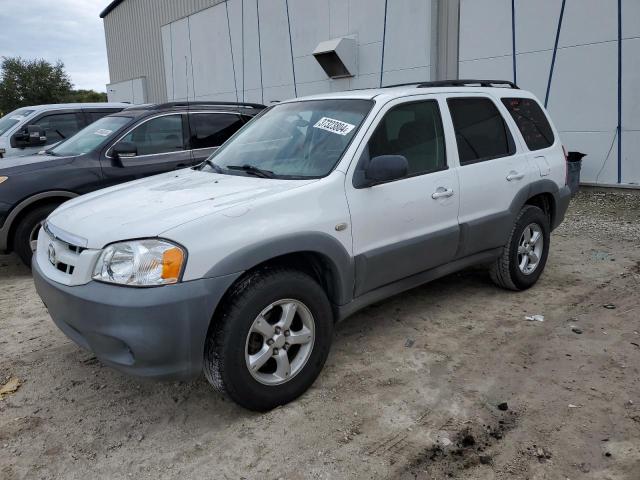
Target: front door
[(161, 147), (410, 225)]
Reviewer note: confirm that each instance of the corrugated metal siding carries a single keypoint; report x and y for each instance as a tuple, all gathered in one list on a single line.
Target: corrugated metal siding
[(134, 39)]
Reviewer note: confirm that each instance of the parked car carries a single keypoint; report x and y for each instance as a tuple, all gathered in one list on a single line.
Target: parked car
[(320, 206), (134, 143), (28, 130)]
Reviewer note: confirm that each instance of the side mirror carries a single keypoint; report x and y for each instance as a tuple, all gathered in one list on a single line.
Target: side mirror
[(124, 150), (386, 168), (32, 136), (37, 135)]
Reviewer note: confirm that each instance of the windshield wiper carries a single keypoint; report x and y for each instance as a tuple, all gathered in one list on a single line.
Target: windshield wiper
[(209, 162), (253, 170)]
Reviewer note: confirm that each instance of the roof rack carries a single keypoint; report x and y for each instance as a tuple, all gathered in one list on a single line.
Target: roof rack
[(458, 83), (208, 104)]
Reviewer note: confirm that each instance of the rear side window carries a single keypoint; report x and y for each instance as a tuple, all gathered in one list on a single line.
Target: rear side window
[(481, 132), (413, 130), (210, 130), (93, 116), (531, 121)]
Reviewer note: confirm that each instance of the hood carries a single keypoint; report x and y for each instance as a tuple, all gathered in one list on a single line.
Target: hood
[(16, 164), (149, 207)]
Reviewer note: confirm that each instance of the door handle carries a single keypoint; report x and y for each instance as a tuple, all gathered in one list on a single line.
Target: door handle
[(513, 175), (442, 192)]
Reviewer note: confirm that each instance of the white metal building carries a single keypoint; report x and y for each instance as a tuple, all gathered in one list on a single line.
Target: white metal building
[(580, 57)]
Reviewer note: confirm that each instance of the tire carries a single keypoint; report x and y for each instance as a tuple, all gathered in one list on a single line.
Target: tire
[(27, 230), (231, 345), (507, 271)]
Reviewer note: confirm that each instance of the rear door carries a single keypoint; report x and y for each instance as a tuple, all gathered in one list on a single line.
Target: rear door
[(545, 153), (492, 170), (209, 130), (161, 143)]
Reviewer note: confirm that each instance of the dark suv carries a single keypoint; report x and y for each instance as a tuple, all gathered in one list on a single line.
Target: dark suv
[(134, 143)]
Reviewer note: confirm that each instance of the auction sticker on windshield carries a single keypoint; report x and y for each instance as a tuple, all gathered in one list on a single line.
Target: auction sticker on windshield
[(334, 126), (103, 132)]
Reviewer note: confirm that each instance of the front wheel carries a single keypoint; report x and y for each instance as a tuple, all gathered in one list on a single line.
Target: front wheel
[(25, 237), (271, 339), (525, 255)]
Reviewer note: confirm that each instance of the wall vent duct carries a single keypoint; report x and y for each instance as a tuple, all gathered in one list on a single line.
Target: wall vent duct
[(337, 57)]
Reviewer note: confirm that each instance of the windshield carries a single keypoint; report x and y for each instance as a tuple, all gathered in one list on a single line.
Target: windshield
[(91, 137), (293, 140), (13, 118)]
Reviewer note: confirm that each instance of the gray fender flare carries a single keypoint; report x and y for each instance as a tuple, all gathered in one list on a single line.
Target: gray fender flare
[(561, 197), (335, 256), (20, 207)]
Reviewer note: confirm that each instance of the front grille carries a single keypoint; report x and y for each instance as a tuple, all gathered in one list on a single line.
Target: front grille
[(62, 255), (65, 268)]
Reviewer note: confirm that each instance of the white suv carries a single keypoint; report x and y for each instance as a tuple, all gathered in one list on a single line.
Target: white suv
[(316, 208)]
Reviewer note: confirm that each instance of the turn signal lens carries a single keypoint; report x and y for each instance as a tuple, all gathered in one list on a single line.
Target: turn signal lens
[(172, 264), (3, 179)]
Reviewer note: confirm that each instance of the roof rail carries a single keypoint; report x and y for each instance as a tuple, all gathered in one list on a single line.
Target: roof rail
[(205, 103), (458, 83)]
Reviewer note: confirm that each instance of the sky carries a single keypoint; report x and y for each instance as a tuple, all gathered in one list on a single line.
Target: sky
[(67, 30)]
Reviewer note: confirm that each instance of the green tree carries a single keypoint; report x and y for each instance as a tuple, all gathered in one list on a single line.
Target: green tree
[(86, 96), (32, 82)]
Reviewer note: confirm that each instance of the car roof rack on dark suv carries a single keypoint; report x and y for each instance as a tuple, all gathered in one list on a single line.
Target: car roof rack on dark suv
[(167, 105), (458, 83)]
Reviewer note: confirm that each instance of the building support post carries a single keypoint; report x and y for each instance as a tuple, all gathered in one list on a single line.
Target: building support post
[(445, 35)]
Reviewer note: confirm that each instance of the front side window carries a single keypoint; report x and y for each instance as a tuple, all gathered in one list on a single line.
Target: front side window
[(210, 130), (90, 138), (303, 139), (481, 132), (13, 118), (531, 121), (413, 130), (158, 135), (59, 126)]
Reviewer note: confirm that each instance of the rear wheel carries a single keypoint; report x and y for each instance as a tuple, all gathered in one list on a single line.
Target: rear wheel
[(271, 339), (25, 237), (525, 255)]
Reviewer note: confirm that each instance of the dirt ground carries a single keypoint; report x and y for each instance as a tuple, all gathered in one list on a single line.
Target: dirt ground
[(411, 388)]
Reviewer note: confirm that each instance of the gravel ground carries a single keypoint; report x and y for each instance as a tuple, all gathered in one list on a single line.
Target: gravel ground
[(446, 381)]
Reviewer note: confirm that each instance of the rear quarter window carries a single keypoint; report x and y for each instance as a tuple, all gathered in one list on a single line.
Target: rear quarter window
[(531, 121)]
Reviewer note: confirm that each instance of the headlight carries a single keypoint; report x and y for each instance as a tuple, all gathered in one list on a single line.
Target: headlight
[(3, 179), (140, 263)]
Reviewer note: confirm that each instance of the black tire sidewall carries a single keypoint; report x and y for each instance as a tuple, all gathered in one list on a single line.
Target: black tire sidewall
[(529, 215), (21, 245), (239, 383)]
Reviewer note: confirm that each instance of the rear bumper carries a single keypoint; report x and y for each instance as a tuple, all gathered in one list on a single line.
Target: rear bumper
[(151, 332), (562, 199)]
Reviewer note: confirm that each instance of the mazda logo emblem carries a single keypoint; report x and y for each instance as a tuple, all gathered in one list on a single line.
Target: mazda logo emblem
[(52, 254)]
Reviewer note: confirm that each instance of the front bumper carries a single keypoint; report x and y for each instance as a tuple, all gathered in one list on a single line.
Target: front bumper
[(151, 332), (5, 208)]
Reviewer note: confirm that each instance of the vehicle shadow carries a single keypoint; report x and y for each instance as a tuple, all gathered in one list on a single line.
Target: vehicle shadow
[(11, 266)]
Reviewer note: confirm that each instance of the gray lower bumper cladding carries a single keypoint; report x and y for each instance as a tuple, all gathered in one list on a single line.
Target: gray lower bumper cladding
[(151, 332)]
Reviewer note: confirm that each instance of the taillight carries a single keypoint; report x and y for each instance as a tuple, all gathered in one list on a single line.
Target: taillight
[(566, 166)]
